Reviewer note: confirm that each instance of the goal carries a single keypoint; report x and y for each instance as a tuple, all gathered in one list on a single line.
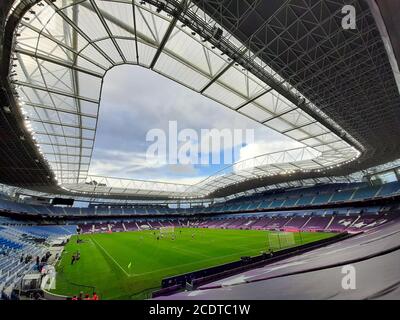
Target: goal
[(167, 230), (280, 240)]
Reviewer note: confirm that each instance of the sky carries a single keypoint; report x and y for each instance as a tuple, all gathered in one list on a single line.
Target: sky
[(135, 100)]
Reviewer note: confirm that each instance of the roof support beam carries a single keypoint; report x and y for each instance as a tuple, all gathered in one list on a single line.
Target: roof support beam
[(58, 62), (68, 163), (197, 24), (104, 23), (73, 25), (61, 135), (253, 99), (135, 31), (55, 123), (167, 34), (62, 93), (64, 145), (75, 83), (217, 76), (300, 127), (40, 106), (313, 137), (67, 155), (279, 115), (61, 44)]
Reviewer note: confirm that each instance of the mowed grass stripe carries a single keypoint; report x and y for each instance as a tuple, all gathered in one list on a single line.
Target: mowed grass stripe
[(105, 258), (163, 269), (109, 255), (193, 263)]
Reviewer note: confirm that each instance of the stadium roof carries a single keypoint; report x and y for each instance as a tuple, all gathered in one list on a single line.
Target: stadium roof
[(286, 64)]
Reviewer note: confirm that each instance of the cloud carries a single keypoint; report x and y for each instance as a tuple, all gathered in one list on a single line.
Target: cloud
[(260, 148), (135, 100)]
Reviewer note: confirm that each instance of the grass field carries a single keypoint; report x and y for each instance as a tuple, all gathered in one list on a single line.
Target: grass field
[(105, 258)]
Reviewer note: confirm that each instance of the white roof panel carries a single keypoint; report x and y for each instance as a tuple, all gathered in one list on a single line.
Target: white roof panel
[(65, 49)]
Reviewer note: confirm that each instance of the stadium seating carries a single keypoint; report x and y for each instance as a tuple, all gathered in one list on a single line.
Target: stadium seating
[(344, 219), (277, 279), (317, 223), (366, 193), (296, 222), (47, 231), (322, 198), (388, 189), (5, 221), (17, 243), (278, 199), (18, 240)]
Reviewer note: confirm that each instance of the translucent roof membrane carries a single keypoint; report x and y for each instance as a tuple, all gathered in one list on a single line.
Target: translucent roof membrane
[(64, 50)]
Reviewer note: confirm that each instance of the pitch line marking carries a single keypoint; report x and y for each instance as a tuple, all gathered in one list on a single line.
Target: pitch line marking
[(168, 268), (163, 269), (191, 252), (110, 256), (190, 263)]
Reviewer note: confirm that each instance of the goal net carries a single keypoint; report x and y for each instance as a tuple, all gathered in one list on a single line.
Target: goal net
[(280, 240), (167, 230)]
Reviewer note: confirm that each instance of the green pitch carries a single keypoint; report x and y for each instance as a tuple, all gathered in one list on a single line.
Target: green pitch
[(129, 265)]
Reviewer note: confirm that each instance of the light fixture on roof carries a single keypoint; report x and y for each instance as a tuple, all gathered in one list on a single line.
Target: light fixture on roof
[(160, 7), (217, 33)]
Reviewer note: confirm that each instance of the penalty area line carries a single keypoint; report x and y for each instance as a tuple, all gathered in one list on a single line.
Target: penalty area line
[(111, 257)]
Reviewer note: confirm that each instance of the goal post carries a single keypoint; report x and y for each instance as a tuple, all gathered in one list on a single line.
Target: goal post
[(280, 240), (167, 230)]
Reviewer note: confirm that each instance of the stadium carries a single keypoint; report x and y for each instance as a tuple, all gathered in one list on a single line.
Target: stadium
[(93, 93)]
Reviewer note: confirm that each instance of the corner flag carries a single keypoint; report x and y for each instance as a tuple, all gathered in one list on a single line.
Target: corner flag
[(129, 265)]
